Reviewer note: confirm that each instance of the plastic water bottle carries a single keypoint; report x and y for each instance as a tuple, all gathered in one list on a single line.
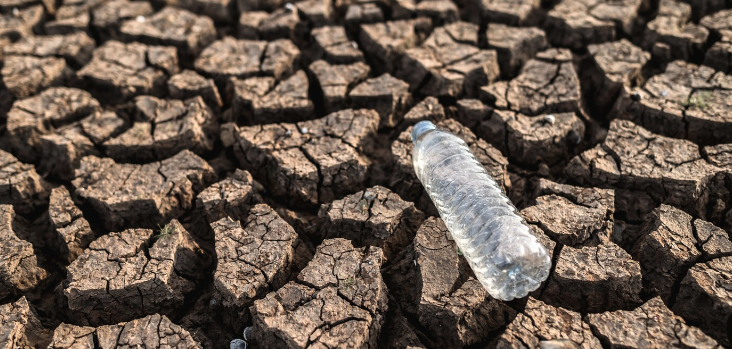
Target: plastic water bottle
[(506, 258)]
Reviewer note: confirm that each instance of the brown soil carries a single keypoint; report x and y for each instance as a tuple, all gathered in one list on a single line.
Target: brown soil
[(238, 173)]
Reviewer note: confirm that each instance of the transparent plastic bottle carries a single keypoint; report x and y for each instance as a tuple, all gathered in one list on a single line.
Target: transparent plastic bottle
[(506, 258)]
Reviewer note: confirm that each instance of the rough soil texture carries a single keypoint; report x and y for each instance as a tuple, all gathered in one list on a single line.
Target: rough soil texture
[(238, 173), (144, 194), (154, 331), (254, 256), (133, 273), (338, 300), (651, 325)]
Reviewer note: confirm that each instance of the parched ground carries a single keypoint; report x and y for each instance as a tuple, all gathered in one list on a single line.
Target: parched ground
[(238, 173)]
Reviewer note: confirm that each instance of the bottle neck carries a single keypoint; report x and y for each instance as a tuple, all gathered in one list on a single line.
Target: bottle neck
[(421, 128)]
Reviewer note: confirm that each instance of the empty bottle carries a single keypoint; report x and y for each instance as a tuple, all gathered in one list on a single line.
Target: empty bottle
[(506, 258)]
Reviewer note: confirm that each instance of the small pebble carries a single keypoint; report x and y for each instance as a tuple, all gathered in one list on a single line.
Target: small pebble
[(573, 137), (140, 19), (371, 262), (16, 12), (354, 44), (288, 133), (289, 6), (247, 332), (549, 119), (304, 130), (238, 344), (368, 195), (664, 93)]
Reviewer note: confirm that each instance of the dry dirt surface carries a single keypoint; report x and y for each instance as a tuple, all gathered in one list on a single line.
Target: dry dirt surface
[(238, 173)]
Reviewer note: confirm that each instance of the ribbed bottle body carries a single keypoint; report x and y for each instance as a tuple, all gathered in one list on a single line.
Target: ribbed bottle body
[(506, 258)]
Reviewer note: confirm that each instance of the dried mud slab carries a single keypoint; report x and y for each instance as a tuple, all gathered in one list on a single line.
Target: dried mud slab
[(384, 43), (75, 48), (189, 84), (671, 36), (311, 162), (405, 181), (532, 140), (118, 72), (164, 128), (439, 11), (243, 93), (20, 326), (153, 331), (372, 217), (686, 101), (332, 45), (231, 58), (22, 24), (70, 25), (717, 56), (221, 11), (719, 155), (249, 22), (283, 23), (21, 185), (260, 100), (286, 102), (316, 13), (31, 118), (539, 322), (109, 17), (71, 231), (601, 277), (428, 109), (254, 257), (62, 150), (577, 23), (614, 66), (432, 282), (7, 5), (523, 13), (362, 13), (671, 242), (668, 170), (571, 215), (471, 112), (19, 269), (454, 33), (143, 195), (387, 95), (261, 5), (231, 197), (651, 325), (125, 275), (171, 26), (515, 46), (24, 76), (444, 66), (75, 8), (704, 299), (336, 81), (338, 300), (546, 84), (398, 333)]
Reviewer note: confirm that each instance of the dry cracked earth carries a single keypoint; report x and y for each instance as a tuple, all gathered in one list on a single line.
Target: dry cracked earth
[(237, 173)]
